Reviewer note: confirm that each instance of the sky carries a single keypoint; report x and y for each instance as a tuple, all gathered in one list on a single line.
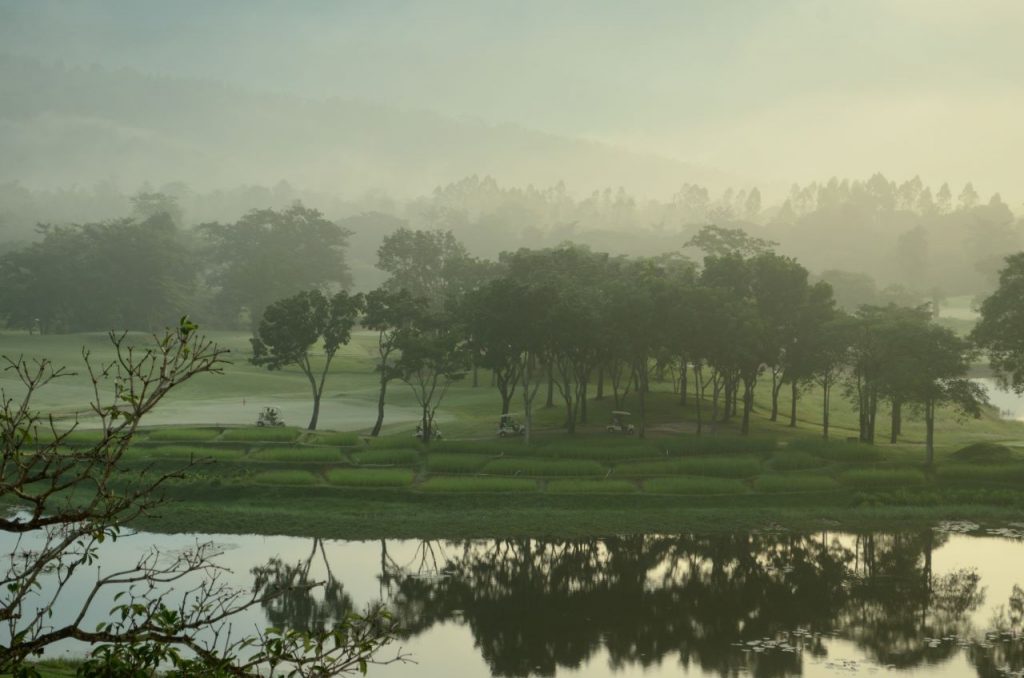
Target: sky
[(777, 91)]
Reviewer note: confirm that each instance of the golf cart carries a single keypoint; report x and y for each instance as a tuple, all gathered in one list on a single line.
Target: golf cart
[(269, 416), (619, 423), (435, 432), (508, 426)]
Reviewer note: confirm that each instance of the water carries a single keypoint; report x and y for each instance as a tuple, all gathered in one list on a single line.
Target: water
[(925, 603)]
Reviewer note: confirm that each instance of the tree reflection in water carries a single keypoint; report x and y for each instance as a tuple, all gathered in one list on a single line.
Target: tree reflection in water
[(536, 605)]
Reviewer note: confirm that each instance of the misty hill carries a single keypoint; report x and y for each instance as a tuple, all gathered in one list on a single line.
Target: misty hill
[(63, 126)]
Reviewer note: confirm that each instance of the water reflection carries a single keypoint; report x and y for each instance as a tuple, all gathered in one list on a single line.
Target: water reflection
[(534, 606)]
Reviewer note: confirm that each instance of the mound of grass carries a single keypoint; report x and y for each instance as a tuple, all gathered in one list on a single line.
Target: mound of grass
[(284, 478), (456, 463), (488, 447), (1005, 473), (185, 452), (725, 467), (401, 440), (882, 477), (544, 467), (387, 457), (694, 485), (383, 477), (449, 484), (795, 460), (692, 445), (600, 452), (795, 482), (296, 453), (577, 486), (339, 438), (984, 453), (184, 434), (261, 434)]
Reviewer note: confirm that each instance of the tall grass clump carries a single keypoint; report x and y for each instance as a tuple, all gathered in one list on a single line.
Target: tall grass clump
[(544, 467), (579, 486), (383, 477), (387, 457), (456, 463), (261, 434), (795, 482), (182, 434), (694, 485), (477, 484), (882, 477), (338, 438), (693, 445), (290, 477), (296, 454), (725, 467)]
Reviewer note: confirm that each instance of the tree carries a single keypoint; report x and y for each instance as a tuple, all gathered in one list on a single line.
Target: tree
[(70, 499), (291, 326), (267, 255), (1000, 332), (718, 241), (389, 313), (431, 265), (432, 359)]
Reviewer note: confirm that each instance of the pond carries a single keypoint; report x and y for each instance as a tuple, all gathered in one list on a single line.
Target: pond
[(940, 602)]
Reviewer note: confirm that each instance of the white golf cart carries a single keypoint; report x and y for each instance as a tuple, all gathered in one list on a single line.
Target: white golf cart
[(508, 426), (619, 423)]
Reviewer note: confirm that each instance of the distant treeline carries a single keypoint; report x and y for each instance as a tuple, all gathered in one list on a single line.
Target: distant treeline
[(919, 242)]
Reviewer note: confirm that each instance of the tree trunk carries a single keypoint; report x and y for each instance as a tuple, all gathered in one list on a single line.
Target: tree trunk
[(794, 395), (582, 402), (894, 420), (929, 440), (698, 396), (683, 381), (600, 383), (550, 402), (380, 406), (776, 388), (826, 394), (748, 405), (316, 412)]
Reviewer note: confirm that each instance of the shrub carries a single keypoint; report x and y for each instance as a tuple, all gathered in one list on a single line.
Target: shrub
[(269, 434), (184, 434), (694, 485), (387, 457), (576, 486), (544, 467), (795, 483), (284, 478), (882, 477), (727, 467), (371, 477), (456, 463), (476, 484), (296, 454)]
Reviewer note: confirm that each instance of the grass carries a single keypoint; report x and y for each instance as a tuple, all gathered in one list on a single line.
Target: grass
[(371, 477), (882, 477), (183, 434), (339, 438), (690, 445), (261, 434), (998, 473), (457, 485), (580, 486), (184, 452), (398, 457), (795, 460), (544, 467), (794, 482), (726, 467), (601, 452), (984, 453), (456, 463), (296, 454), (694, 485), (838, 451), (286, 477)]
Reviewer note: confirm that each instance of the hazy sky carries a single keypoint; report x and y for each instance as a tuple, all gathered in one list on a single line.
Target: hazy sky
[(779, 90)]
